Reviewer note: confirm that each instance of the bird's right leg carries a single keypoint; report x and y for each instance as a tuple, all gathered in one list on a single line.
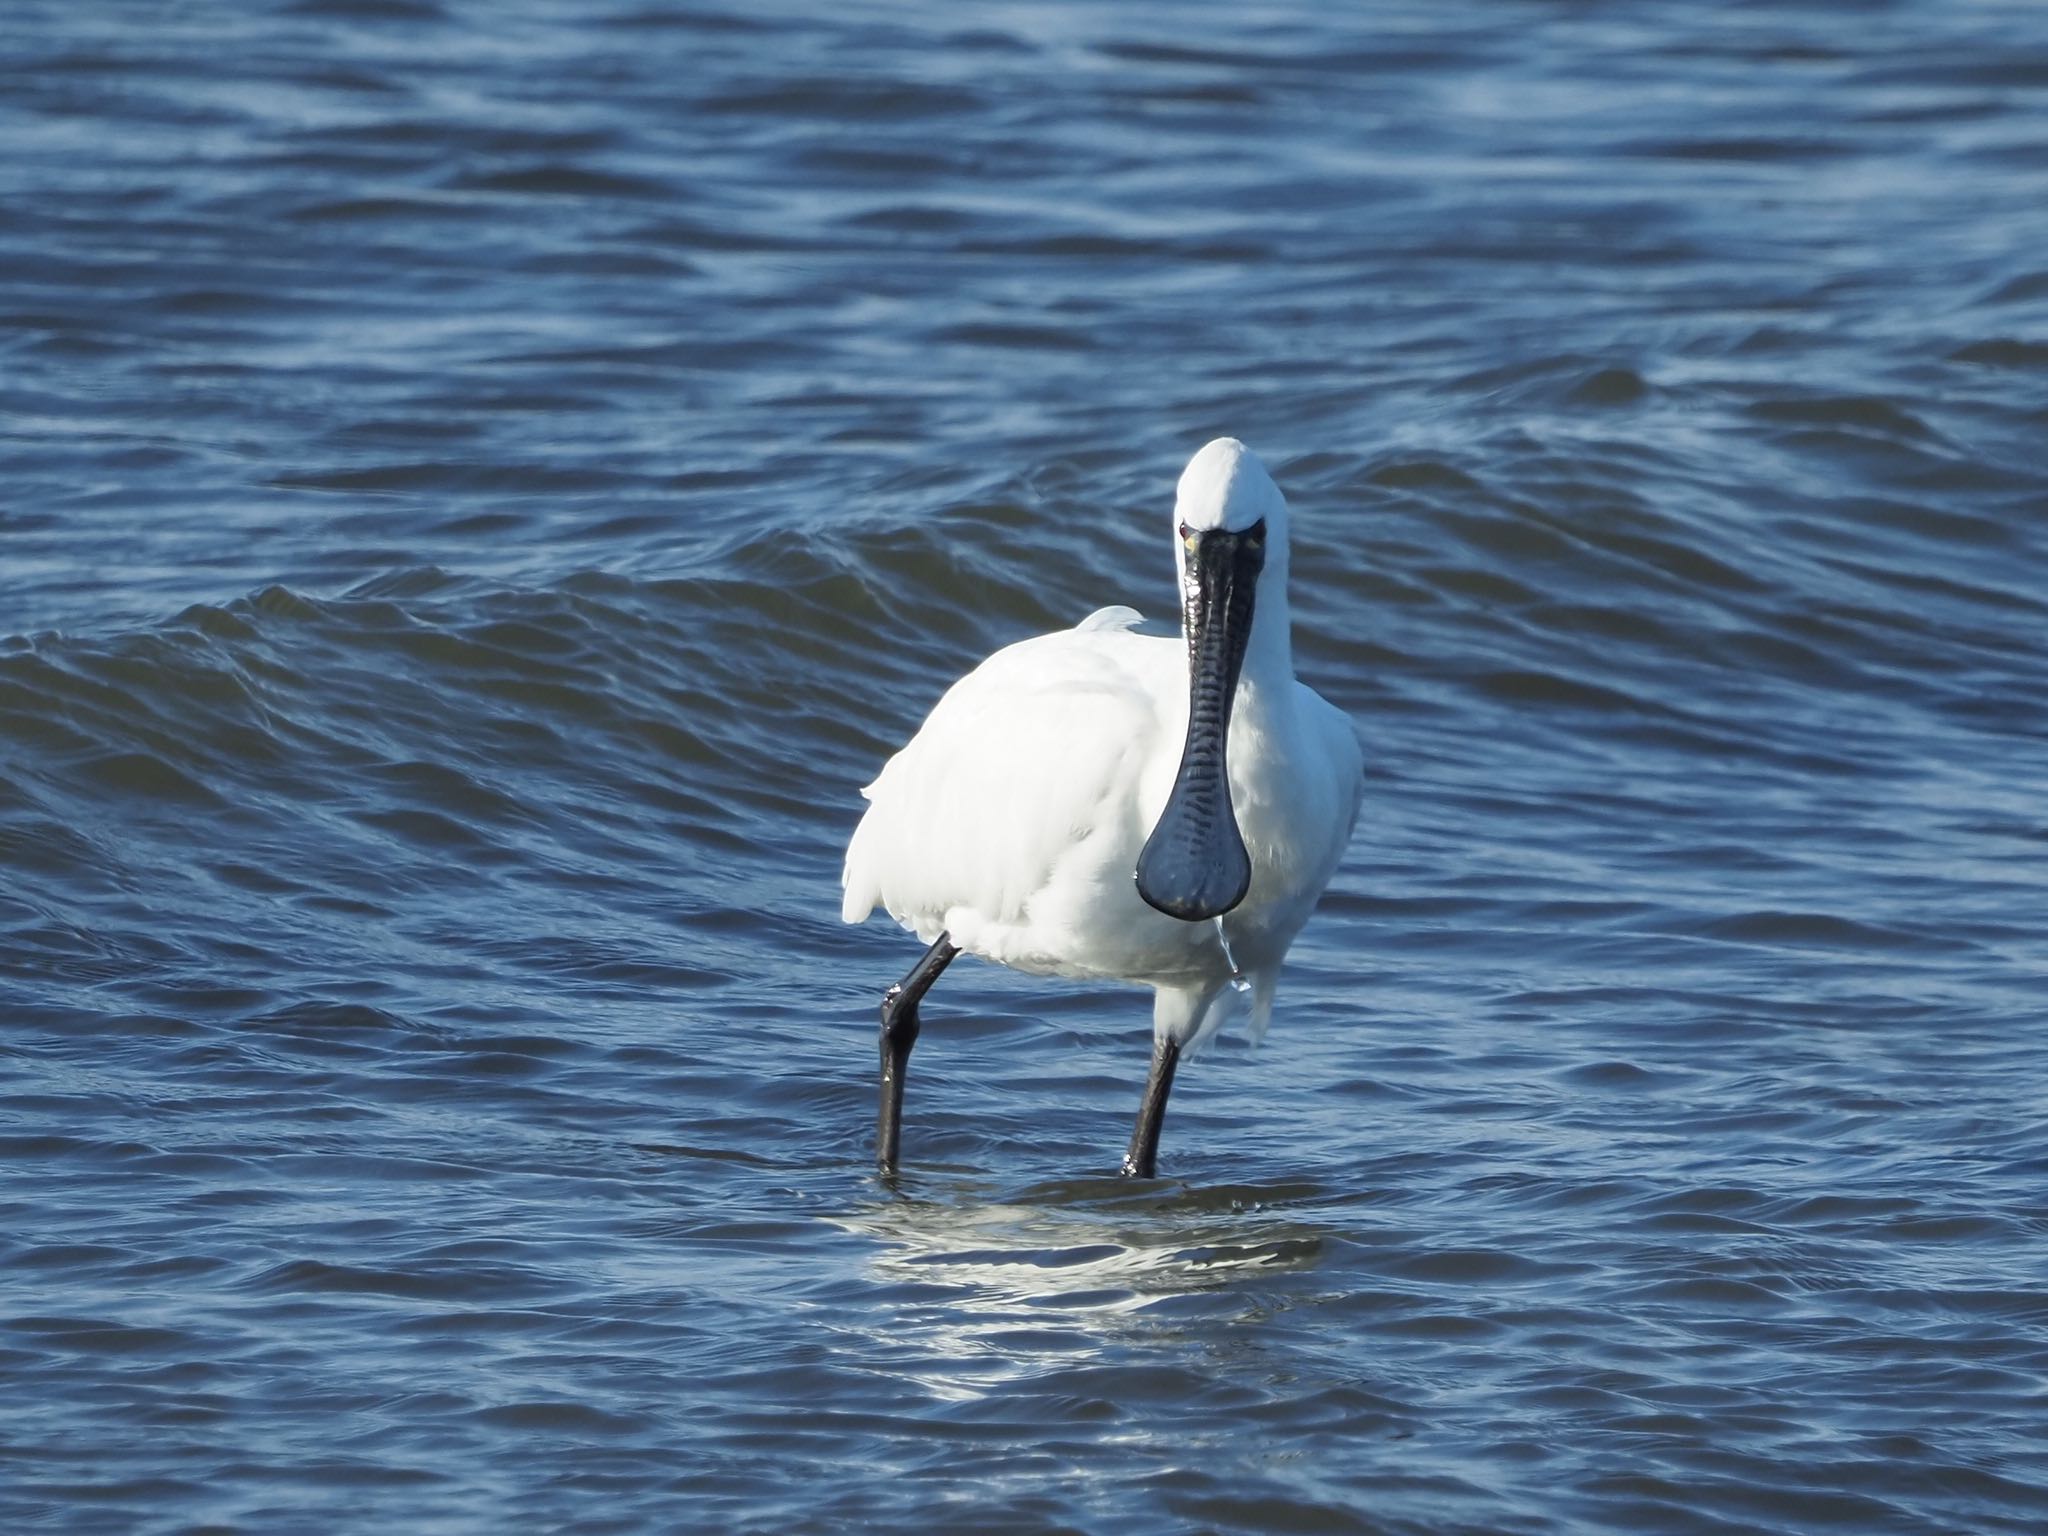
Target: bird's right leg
[(899, 1034)]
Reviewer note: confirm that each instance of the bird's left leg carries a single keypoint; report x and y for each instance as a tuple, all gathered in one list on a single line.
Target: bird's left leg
[(899, 1034), (1141, 1162)]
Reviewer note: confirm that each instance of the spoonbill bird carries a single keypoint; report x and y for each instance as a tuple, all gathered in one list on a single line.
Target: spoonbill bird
[(1104, 803)]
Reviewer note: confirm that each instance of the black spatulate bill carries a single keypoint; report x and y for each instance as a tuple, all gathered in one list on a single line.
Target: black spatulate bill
[(1194, 865)]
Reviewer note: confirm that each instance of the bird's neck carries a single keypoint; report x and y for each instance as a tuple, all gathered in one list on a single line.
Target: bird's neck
[(1269, 653)]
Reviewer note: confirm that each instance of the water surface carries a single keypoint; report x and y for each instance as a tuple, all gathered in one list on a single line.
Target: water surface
[(482, 486)]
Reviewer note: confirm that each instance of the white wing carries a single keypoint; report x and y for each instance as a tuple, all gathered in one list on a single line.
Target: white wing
[(1025, 774)]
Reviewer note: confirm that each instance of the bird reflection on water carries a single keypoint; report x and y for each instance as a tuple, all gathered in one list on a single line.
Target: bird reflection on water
[(984, 1290)]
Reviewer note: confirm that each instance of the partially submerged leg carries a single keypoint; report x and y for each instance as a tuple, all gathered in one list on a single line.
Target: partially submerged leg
[(1182, 1017), (899, 1034), (1141, 1162)]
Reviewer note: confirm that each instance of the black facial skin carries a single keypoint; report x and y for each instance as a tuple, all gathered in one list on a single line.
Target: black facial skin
[(1194, 865)]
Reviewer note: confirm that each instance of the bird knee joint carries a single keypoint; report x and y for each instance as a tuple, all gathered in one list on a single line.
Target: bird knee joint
[(898, 1016)]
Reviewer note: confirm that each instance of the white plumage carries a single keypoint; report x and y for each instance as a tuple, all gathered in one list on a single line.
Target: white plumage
[(1013, 821)]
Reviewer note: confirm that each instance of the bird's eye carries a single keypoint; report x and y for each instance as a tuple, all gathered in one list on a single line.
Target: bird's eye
[(1187, 533)]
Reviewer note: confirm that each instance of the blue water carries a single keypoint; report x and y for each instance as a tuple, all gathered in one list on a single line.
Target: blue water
[(482, 486)]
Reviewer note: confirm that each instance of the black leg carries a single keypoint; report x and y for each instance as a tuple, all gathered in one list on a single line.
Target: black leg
[(1141, 1162), (899, 1034)]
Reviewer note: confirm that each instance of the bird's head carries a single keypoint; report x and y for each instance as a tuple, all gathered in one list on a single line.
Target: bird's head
[(1230, 543)]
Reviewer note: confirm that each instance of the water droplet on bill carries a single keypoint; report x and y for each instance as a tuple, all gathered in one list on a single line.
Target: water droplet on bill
[(1238, 979)]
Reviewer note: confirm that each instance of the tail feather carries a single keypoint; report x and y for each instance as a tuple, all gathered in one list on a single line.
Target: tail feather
[(861, 892)]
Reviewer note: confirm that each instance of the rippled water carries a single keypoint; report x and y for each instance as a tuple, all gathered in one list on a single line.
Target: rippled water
[(481, 486)]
